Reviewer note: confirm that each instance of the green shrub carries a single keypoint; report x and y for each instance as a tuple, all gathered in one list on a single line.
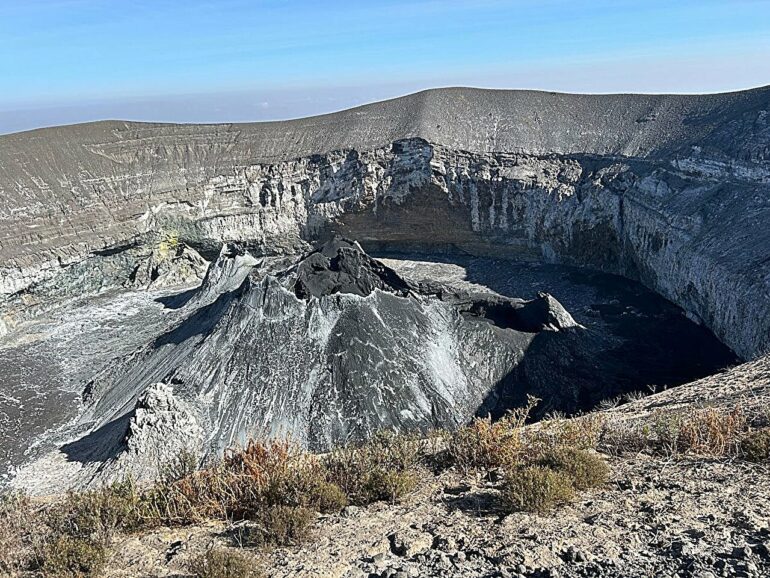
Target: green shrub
[(328, 498), (389, 486), (585, 469), (184, 464), (66, 556), (279, 526), (755, 446), (535, 489), (223, 563)]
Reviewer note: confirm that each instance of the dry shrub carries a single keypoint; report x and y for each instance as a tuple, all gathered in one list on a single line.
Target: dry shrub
[(657, 435), (263, 474), (621, 437), (65, 556), (383, 468), (20, 526), (78, 531), (99, 512), (488, 445), (584, 468), (755, 446), (223, 563), (535, 489), (279, 526), (280, 473), (711, 432), (194, 498)]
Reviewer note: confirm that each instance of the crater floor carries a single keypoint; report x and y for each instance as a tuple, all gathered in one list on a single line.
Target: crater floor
[(637, 341)]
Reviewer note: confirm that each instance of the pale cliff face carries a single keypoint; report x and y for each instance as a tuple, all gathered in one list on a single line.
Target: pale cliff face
[(691, 226)]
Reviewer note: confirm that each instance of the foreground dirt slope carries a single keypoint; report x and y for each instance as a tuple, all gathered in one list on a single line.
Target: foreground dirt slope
[(656, 517)]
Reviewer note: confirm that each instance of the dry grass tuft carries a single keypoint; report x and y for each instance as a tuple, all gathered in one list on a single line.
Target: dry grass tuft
[(711, 432), (582, 432)]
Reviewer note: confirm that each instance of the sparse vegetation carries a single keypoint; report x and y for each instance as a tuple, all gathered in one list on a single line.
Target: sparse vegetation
[(81, 528), (384, 468), (708, 431), (169, 244), (276, 489), (223, 563), (184, 464)]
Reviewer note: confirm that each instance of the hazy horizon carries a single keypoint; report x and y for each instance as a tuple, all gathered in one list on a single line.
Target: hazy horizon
[(70, 61)]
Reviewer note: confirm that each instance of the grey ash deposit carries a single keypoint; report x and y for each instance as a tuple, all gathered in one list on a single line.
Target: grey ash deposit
[(333, 345)]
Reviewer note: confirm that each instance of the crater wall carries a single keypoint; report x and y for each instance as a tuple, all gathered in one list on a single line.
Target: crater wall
[(671, 190)]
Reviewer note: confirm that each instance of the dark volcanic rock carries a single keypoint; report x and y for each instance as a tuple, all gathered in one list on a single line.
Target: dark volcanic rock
[(541, 314), (341, 266)]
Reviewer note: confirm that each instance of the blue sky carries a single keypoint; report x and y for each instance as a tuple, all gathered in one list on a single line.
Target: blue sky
[(67, 61)]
